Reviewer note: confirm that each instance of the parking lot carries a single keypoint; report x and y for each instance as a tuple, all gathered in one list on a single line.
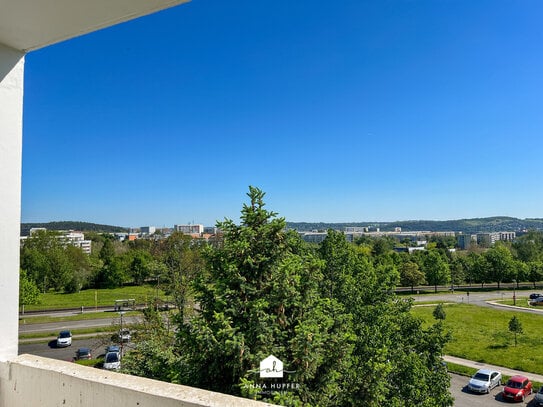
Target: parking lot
[(464, 398)]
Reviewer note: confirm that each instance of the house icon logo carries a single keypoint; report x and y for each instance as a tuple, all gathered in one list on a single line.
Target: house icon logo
[(271, 367)]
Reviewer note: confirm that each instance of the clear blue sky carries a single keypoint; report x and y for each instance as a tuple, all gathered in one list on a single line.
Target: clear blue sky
[(344, 110)]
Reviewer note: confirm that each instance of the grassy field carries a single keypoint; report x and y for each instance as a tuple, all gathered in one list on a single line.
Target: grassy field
[(481, 334), (94, 298)]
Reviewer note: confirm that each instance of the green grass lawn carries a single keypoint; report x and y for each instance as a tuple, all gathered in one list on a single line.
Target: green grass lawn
[(92, 298), (481, 334)]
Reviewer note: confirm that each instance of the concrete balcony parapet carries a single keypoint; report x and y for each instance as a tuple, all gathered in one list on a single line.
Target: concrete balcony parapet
[(29, 380)]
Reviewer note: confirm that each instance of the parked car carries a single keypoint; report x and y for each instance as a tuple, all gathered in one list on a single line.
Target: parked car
[(535, 295), (124, 335), (112, 361), (113, 348), (484, 380), (538, 399), (517, 388), (83, 353), (64, 339), (536, 301)]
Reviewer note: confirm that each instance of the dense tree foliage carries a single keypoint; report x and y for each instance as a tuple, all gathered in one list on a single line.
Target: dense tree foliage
[(331, 315)]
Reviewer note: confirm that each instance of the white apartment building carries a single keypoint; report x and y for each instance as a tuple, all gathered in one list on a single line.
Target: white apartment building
[(71, 237), (147, 230), (189, 229), (77, 239)]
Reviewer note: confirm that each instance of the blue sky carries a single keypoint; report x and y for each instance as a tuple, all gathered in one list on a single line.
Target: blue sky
[(340, 111)]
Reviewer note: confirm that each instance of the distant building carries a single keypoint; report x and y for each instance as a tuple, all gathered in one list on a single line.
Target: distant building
[(73, 238), (189, 229), (402, 249), (313, 237), (356, 229), (77, 239), (36, 230), (147, 230), (211, 230), (508, 236), (464, 241), (487, 239), (121, 237)]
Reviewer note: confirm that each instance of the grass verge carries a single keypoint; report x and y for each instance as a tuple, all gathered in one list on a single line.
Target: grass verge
[(481, 334), (76, 317), (95, 298)]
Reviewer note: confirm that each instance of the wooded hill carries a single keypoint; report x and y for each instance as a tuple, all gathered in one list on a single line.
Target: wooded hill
[(475, 225), (71, 225)]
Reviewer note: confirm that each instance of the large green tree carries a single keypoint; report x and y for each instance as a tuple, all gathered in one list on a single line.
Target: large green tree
[(501, 265), (411, 275), (395, 361), (180, 263), (529, 247), (435, 268), (44, 259), (261, 296), (28, 290)]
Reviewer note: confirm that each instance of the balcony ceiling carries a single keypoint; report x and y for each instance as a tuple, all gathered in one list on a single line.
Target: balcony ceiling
[(26, 25)]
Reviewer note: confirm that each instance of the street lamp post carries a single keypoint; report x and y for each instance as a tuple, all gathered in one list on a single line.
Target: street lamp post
[(157, 285), (121, 313), (514, 293)]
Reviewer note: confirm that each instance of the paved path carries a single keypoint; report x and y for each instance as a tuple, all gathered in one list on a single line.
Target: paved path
[(503, 370)]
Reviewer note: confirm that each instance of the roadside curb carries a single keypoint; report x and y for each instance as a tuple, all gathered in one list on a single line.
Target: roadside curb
[(480, 365), (51, 338), (497, 304)]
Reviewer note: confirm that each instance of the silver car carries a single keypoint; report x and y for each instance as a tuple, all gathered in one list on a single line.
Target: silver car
[(485, 380), (112, 361)]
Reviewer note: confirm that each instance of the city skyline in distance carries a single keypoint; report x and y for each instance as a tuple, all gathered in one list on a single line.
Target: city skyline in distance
[(396, 110)]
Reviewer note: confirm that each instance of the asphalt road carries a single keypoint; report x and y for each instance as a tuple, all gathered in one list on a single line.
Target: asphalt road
[(71, 325), (49, 350)]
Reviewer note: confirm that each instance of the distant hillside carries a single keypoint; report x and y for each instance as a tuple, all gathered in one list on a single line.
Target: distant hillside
[(475, 225), (69, 225)]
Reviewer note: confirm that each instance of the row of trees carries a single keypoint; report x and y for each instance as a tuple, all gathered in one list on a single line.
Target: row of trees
[(50, 263), (520, 261)]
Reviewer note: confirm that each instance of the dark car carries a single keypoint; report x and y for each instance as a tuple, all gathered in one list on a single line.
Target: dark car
[(535, 295), (517, 388), (83, 353), (113, 348), (538, 399), (536, 302)]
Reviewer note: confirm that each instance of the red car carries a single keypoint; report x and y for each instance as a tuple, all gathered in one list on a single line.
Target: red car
[(517, 388)]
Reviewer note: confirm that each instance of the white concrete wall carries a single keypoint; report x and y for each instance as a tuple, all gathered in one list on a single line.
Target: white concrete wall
[(32, 381), (11, 133)]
